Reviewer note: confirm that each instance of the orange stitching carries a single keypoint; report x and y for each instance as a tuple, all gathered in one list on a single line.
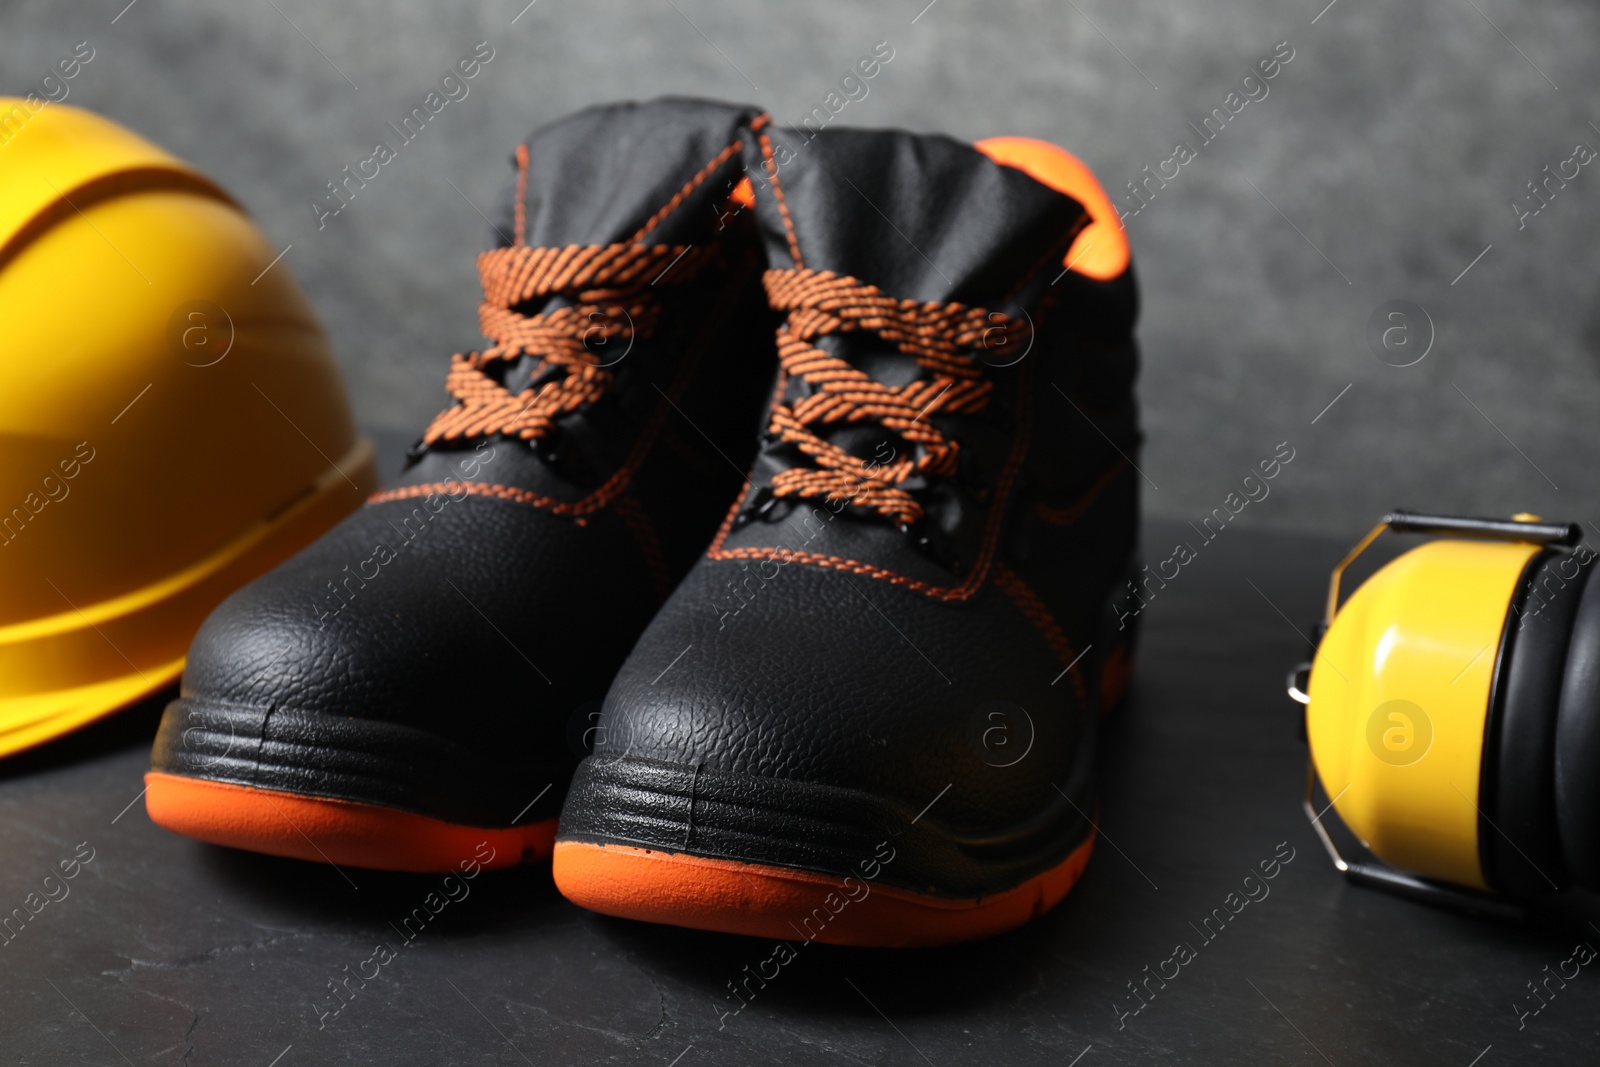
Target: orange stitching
[(841, 563), (587, 505), (1021, 594), (705, 172), (1068, 515), (522, 192), (783, 203)]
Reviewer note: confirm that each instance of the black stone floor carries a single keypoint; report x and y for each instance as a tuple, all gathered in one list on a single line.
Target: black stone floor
[(163, 950)]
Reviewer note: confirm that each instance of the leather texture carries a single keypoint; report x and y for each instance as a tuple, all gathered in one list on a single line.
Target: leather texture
[(443, 649), (825, 678)]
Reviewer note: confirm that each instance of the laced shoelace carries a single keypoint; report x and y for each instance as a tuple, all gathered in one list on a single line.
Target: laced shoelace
[(941, 337), (613, 301)]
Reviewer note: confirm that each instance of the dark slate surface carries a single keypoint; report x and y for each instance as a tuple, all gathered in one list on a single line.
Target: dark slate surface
[(168, 951)]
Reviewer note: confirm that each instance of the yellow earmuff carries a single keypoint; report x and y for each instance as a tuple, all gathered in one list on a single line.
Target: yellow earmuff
[(1437, 700)]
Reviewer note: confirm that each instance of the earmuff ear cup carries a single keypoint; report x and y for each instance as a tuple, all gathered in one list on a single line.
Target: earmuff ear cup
[(1519, 841), (1577, 755)]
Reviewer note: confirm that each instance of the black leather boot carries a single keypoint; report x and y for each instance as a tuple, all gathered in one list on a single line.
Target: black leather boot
[(413, 690), (867, 715)]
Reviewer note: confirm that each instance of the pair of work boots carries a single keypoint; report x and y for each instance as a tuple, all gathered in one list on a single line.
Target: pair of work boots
[(865, 713)]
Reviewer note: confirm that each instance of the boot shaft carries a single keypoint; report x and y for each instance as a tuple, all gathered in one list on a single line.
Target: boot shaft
[(952, 389)]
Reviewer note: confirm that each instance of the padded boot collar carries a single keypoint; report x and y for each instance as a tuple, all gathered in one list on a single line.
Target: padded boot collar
[(921, 216), (649, 172)]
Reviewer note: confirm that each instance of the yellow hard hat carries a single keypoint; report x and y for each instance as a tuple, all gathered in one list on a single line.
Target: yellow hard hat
[(172, 423)]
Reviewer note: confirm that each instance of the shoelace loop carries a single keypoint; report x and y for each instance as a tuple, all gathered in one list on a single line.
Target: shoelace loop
[(941, 336), (614, 301)]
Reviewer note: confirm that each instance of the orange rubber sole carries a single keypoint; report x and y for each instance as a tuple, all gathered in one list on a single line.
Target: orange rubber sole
[(786, 904), (324, 830)]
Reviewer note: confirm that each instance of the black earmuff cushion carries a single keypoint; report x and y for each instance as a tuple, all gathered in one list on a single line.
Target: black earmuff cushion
[(1577, 756), (1518, 840)]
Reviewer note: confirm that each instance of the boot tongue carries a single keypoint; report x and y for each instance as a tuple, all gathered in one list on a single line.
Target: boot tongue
[(606, 173), (922, 217)]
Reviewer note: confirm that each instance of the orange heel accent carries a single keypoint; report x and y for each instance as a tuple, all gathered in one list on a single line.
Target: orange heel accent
[(784, 903), (325, 830), (1114, 680), (1101, 249)]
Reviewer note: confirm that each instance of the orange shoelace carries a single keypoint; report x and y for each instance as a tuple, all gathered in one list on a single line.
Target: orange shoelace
[(939, 336), (614, 302)]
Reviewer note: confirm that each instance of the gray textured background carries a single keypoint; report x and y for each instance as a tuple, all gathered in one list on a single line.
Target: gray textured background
[(1394, 141)]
